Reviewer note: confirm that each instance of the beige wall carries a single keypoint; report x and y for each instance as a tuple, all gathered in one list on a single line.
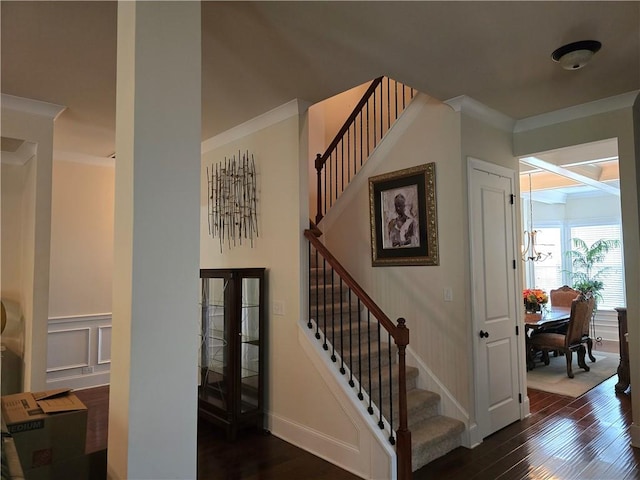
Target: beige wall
[(296, 391), (438, 329), (325, 119), (13, 184), (81, 239)]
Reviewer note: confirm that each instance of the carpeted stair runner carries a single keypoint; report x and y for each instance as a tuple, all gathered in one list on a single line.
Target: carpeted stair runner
[(432, 434)]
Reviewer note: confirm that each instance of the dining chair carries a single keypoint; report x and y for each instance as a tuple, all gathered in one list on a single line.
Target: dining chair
[(563, 296), (571, 341)]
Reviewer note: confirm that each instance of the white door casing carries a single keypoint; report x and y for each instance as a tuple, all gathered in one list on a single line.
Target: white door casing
[(496, 353)]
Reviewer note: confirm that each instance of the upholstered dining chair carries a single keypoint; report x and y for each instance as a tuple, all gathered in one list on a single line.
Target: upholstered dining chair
[(573, 340), (562, 297)]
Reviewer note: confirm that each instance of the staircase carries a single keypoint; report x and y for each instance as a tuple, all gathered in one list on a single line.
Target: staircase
[(360, 339), (364, 352)]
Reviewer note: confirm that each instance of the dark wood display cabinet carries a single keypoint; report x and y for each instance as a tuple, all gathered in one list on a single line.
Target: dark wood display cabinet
[(232, 350)]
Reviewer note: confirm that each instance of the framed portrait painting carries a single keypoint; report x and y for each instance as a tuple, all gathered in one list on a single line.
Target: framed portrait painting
[(404, 224)]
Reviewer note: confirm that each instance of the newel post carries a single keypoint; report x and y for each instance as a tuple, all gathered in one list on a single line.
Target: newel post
[(403, 448), (318, 165)]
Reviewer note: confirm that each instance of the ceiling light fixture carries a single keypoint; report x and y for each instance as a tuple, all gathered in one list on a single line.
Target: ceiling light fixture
[(576, 55)]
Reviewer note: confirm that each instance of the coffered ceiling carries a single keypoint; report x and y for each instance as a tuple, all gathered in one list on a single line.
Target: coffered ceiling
[(259, 55)]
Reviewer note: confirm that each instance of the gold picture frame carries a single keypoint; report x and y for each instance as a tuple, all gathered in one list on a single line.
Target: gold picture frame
[(403, 216)]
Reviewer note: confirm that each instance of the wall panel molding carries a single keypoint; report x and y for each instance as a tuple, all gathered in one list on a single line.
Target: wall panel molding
[(79, 351)]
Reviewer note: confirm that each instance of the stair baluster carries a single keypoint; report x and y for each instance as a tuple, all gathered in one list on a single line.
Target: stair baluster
[(362, 312), (347, 146)]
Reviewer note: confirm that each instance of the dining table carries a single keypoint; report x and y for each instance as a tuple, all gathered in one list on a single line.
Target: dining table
[(548, 319)]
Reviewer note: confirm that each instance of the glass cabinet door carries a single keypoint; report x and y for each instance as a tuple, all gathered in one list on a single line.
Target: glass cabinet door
[(250, 344), (214, 347), (232, 354)]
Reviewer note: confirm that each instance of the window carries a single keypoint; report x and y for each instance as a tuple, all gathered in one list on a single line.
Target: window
[(555, 271), (547, 274)]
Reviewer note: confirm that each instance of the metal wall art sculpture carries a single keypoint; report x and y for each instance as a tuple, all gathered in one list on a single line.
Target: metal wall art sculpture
[(232, 200)]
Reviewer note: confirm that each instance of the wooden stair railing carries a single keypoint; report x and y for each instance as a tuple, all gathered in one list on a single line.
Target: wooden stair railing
[(371, 118), (359, 314)]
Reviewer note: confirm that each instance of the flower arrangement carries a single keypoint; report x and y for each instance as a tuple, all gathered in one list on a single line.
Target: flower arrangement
[(534, 298)]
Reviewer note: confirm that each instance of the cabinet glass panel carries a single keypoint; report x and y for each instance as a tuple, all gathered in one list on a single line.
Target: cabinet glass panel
[(214, 348), (250, 344)]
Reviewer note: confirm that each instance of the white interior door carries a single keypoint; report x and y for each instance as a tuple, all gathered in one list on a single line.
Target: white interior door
[(493, 273)]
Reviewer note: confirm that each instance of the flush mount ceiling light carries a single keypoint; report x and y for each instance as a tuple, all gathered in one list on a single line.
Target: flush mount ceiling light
[(576, 55)]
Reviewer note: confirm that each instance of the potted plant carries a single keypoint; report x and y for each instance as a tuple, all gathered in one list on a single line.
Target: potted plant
[(586, 274)]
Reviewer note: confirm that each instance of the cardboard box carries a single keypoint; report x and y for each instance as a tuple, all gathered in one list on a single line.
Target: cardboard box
[(74, 468), (47, 427)]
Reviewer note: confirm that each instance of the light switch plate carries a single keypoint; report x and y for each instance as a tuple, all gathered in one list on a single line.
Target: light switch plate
[(278, 307)]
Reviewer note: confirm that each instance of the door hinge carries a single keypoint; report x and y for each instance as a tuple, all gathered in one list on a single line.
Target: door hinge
[(514, 264), (520, 398), (512, 199), (517, 330)]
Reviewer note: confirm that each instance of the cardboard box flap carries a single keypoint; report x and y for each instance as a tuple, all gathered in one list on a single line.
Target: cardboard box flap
[(19, 407), (64, 403), (51, 393)]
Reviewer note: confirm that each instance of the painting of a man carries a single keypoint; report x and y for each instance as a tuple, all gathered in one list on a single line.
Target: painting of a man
[(401, 219)]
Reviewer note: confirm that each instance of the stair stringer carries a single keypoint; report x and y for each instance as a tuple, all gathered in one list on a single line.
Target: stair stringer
[(449, 406), (374, 457)]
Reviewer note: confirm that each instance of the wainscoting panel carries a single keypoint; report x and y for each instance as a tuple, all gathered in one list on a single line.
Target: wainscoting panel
[(68, 349), (79, 351), (104, 345)]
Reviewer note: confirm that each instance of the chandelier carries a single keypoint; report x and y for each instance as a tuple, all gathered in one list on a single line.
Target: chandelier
[(529, 250)]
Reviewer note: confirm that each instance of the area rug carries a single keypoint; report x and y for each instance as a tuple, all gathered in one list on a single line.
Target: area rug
[(553, 377)]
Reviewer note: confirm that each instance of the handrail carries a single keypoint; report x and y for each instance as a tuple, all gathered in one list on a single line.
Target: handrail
[(357, 289), (400, 334), (381, 105), (356, 110)]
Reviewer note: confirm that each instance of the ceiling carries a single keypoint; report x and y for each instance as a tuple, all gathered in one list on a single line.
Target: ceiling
[(259, 55), (583, 170)]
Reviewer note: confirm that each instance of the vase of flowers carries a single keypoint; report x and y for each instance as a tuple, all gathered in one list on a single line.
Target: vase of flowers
[(534, 299)]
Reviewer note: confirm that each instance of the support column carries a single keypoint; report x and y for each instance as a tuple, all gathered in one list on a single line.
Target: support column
[(153, 394)]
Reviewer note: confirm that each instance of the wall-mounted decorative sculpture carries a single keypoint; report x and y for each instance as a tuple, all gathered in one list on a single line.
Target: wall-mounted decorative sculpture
[(232, 200)]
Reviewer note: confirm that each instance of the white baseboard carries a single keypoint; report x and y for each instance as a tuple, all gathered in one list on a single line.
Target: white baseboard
[(79, 382)]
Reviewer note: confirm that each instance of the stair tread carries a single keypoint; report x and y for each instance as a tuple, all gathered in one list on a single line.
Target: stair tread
[(418, 398), (433, 438), (432, 429)]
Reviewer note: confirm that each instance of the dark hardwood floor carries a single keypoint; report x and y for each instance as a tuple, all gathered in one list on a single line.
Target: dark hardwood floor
[(255, 455), (564, 439)]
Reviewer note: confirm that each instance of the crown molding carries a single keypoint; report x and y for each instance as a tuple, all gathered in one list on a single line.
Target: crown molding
[(278, 114), (76, 157), (609, 104), (480, 111), (28, 105)]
